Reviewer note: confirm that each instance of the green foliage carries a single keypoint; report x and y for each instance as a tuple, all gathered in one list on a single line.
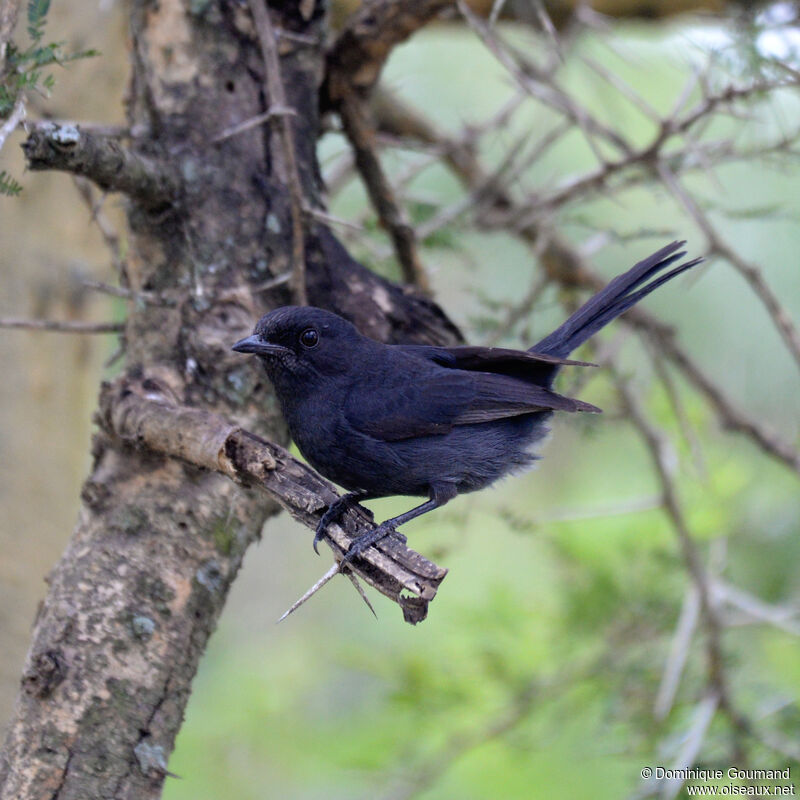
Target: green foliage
[(8, 186), (37, 13), (24, 72)]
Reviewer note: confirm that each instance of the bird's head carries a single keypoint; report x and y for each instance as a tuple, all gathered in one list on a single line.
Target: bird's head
[(303, 341)]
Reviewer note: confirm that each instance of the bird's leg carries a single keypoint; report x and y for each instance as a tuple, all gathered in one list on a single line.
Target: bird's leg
[(440, 493), (335, 510)]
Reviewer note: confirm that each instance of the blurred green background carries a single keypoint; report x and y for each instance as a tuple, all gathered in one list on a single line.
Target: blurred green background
[(536, 673)]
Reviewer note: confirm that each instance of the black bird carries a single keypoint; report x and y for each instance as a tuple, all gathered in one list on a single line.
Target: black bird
[(416, 420)]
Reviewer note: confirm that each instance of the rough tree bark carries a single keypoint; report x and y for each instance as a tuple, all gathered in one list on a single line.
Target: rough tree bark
[(137, 593)]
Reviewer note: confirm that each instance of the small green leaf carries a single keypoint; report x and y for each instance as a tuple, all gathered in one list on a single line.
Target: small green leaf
[(37, 11), (8, 186)]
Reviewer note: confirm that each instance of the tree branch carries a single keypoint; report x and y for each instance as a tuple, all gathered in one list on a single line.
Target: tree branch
[(61, 326), (356, 58), (104, 160), (377, 307), (145, 412), (278, 106), (14, 118), (360, 132), (717, 244)]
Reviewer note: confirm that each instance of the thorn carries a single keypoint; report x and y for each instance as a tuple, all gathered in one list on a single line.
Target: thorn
[(334, 570), (360, 590)]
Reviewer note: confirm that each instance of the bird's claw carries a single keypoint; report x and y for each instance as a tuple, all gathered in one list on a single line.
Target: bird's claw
[(361, 543), (331, 515), (319, 535)]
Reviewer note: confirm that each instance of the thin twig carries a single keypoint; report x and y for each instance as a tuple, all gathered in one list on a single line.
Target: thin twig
[(14, 118), (254, 122), (657, 447), (61, 326), (717, 244), (154, 298), (678, 653), (327, 577), (783, 617), (360, 589), (548, 27), (692, 742), (108, 232), (494, 14), (331, 219), (277, 99), (678, 409), (622, 87), (278, 280)]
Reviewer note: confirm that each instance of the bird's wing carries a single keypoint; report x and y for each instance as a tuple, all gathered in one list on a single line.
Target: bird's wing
[(499, 396), (432, 400), (525, 365), (406, 406)]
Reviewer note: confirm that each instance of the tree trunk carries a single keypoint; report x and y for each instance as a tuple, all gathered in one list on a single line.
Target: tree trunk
[(137, 593)]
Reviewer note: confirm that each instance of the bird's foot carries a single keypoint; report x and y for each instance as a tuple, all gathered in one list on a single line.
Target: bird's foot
[(361, 543), (334, 512)]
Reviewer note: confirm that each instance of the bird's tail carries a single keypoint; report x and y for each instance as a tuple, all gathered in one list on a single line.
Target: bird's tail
[(623, 292)]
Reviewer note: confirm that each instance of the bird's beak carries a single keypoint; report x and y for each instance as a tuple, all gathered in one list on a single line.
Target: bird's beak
[(254, 344)]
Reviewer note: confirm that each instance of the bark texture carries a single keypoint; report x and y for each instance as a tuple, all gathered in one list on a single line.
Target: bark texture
[(137, 593)]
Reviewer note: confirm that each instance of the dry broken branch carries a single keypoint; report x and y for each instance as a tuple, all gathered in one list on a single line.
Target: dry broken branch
[(145, 413)]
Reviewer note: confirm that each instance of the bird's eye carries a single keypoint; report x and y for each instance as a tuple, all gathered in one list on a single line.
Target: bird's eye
[(309, 338)]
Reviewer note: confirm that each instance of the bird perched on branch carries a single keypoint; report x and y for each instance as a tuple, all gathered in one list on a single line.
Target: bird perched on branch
[(383, 420)]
